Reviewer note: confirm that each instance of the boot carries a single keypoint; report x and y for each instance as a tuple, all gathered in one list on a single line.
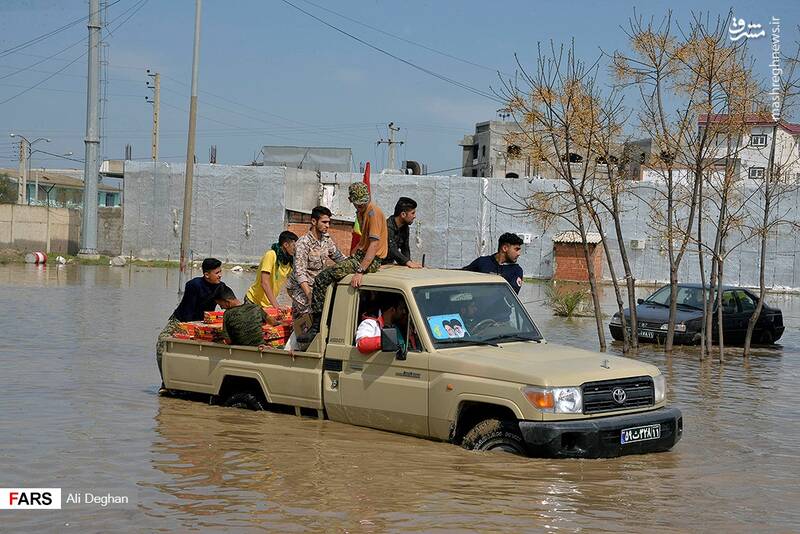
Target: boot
[(313, 330)]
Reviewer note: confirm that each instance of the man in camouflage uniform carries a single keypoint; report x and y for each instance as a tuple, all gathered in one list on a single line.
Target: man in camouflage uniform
[(241, 323), (311, 251), (369, 253)]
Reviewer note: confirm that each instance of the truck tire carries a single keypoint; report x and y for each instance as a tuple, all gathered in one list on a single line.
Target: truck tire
[(246, 400), (495, 435)]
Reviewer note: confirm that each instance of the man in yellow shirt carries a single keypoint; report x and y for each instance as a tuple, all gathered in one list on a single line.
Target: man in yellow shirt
[(275, 268)]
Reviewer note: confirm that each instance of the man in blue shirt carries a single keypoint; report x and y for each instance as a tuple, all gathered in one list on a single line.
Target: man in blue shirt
[(503, 262), (201, 294)]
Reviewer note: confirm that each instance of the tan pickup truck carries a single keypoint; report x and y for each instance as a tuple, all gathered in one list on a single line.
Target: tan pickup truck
[(469, 367)]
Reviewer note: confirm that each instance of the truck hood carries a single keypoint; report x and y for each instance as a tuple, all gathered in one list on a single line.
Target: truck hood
[(539, 364)]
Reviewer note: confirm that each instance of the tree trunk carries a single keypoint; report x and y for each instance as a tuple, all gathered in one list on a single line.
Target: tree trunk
[(764, 233), (703, 330), (720, 313), (630, 281), (598, 313), (673, 268), (612, 273)]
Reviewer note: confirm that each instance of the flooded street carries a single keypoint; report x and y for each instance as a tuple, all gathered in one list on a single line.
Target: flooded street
[(80, 411)]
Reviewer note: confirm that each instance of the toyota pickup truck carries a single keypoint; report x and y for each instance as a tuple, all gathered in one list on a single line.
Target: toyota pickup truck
[(468, 366)]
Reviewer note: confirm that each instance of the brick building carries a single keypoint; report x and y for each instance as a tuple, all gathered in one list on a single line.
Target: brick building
[(570, 263)]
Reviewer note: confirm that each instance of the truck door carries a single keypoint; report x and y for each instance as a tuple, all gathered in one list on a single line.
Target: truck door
[(378, 389)]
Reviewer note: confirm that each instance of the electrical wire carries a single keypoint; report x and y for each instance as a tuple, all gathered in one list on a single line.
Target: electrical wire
[(442, 77), (135, 9), (398, 37), (49, 34)]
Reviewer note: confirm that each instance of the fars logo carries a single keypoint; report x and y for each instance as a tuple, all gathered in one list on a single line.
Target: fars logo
[(30, 498)]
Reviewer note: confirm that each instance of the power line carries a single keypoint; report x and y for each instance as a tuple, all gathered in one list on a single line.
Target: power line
[(49, 34), (398, 37), (442, 77), (443, 170), (134, 8)]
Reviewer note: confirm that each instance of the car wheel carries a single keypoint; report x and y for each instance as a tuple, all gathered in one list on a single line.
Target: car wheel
[(495, 435), (246, 400)]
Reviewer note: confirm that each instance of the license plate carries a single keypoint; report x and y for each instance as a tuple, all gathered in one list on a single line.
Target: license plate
[(646, 333), (640, 433)]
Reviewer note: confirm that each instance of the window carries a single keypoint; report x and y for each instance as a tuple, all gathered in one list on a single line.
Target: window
[(729, 303), (747, 302), (474, 314), (758, 140), (483, 151), (512, 175), (392, 307), (475, 172), (756, 173), (514, 151)]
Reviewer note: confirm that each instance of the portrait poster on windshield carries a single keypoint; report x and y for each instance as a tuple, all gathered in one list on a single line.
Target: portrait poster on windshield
[(447, 326)]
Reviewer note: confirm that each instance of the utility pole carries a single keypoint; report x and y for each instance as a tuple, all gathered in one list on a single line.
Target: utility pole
[(392, 146), (92, 139), (187, 186), (156, 101), (22, 179)]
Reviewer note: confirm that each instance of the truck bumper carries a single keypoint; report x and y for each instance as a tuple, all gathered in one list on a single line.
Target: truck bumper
[(601, 437)]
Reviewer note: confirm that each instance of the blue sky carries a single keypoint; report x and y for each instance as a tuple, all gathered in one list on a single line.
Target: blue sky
[(272, 75)]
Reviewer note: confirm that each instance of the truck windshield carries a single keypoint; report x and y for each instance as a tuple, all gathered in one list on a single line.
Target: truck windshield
[(474, 314)]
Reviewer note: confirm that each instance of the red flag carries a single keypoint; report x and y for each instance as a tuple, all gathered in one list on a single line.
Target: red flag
[(356, 227)]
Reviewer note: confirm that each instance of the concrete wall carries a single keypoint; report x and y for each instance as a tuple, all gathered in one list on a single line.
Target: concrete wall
[(237, 212), (25, 228), (109, 231), (458, 218)]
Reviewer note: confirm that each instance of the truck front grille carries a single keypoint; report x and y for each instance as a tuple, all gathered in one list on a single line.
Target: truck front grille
[(613, 395)]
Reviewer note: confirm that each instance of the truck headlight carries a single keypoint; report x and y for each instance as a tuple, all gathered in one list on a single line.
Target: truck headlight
[(555, 400), (615, 320), (659, 388)]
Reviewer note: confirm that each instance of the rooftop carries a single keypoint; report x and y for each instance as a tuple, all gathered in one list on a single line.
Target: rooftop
[(47, 178), (756, 119)]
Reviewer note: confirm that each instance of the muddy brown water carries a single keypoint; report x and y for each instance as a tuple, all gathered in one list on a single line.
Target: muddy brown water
[(80, 412)]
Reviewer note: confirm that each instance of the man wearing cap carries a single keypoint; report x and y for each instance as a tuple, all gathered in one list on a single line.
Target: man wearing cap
[(369, 253)]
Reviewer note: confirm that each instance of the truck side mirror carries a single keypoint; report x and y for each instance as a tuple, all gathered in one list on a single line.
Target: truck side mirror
[(390, 342), (639, 301)]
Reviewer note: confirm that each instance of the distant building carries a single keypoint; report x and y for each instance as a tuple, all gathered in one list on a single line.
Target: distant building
[(487, 152), (62, 188), (752, 153), (323, 159)]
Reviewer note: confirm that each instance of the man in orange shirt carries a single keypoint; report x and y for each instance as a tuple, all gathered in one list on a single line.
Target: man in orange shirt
[(367, 258)]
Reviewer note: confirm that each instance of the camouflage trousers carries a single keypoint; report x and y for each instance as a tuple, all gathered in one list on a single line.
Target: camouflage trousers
[(335, 273), (161, 344)]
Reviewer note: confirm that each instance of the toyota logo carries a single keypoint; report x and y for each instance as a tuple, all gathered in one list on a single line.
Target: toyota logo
[(619, 395)]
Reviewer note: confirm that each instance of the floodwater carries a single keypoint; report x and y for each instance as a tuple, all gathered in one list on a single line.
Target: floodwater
[(80, 412)]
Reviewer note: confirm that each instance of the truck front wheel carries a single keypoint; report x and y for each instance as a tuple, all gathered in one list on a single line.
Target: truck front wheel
[(495, 435), (246, 400)]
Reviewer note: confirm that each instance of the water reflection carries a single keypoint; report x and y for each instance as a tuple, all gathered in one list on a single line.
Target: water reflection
[(80, 410)]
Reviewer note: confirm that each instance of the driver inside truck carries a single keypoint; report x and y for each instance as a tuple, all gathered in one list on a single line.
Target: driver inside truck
[(393, 312)]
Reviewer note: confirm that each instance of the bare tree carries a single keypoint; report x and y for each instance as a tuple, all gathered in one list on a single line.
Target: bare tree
[(777, 182), (653, 69), (556, 107)]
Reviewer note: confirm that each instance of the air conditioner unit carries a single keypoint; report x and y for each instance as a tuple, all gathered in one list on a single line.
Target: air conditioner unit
[(638, 244)]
